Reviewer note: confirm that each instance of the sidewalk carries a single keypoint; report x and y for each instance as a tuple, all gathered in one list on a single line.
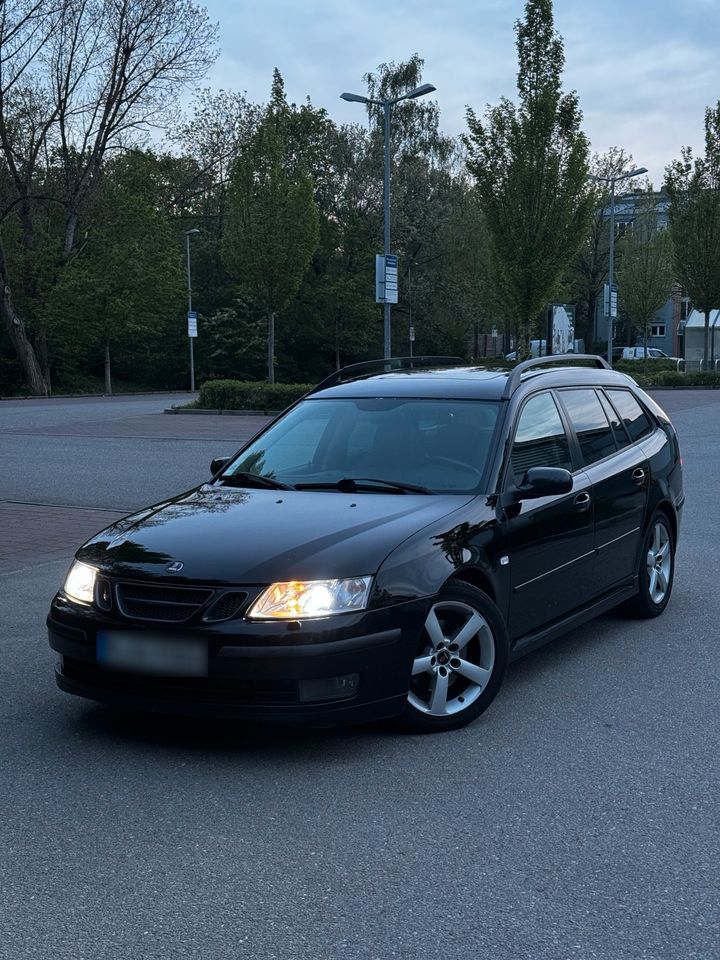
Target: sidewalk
[(35, 533)]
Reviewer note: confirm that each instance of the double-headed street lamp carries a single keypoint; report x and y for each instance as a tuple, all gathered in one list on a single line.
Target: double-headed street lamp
[(611, 258), (387, 106), (188, 234)]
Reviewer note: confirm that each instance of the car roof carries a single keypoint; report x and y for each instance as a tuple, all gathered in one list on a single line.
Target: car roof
[(470, 383), (455, 382)]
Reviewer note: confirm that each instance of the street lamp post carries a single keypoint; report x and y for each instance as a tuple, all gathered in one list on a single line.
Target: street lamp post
[(188, 234), (611, 255), (387, 106)]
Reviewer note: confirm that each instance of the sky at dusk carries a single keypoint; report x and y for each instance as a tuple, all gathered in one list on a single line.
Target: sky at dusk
[(644, 70)]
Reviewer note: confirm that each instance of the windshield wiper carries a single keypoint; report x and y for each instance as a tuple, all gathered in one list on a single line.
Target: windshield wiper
[(354, 484), (253, 480)]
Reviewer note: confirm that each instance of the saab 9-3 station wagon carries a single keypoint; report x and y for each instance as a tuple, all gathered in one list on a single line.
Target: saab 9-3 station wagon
[(383, 548)]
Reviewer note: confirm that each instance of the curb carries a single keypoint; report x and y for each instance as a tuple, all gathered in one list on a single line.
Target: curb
[(223, 413), (109, 396)]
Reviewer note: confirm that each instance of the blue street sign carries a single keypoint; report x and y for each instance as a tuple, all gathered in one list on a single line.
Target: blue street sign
[(386, 278)]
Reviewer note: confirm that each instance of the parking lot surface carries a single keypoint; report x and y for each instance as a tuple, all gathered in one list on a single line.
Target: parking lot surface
[(578, 818)]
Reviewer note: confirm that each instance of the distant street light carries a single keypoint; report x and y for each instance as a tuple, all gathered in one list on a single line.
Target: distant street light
[(387, 106), (611, 259), (188, 234)]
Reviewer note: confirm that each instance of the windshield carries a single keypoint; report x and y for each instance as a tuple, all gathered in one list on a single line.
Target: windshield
[(443, 445)]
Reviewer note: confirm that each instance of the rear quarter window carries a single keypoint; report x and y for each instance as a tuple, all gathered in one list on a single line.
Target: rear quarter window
[(637, 422), (592, 429)]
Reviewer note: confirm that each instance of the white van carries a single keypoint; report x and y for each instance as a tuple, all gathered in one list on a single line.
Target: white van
[(638, 353)]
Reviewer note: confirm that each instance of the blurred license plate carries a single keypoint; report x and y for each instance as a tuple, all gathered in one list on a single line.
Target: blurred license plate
[(165, 656)]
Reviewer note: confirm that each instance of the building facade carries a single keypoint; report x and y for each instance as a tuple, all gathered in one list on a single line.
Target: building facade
[(666, 329)]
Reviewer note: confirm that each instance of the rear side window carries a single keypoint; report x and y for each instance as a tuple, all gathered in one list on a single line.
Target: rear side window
[(540, 439), (631, 413), (587, 416), (621, 438)]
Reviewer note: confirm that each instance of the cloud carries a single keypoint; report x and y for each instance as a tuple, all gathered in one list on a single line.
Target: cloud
[(644, 72)]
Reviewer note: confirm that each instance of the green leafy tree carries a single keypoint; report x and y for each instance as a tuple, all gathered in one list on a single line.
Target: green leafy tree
[(645, 273), (530, 163), (694, 189), (272, 226), (231, 345), (333, 319), (429, 209), (588, 269), (124, 286), (78, 79)]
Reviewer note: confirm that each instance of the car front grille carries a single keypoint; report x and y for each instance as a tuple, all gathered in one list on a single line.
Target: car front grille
[(228, 606), (159, 603)]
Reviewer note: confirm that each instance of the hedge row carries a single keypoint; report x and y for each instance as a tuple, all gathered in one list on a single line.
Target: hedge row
[(653, 367), (249, 395), (673, 379), (257, 395)]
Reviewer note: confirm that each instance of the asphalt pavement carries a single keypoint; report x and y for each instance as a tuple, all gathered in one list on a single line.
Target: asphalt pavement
[(578, 818)]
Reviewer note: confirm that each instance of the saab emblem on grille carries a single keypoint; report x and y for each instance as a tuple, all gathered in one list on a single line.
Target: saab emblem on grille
[(175, 567)]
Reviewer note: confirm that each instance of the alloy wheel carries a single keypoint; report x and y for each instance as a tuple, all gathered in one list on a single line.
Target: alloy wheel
[(659, 562), (456, 660)]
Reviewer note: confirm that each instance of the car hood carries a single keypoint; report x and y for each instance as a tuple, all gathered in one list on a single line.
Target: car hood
[(224, 535)]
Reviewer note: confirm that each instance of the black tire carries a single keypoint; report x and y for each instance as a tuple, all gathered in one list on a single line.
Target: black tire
[(648, 602), (458, 608)]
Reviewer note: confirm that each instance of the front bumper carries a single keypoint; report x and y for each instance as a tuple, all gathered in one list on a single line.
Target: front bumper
[(256, 671)]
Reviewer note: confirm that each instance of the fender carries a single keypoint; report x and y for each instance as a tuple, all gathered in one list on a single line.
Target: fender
[(470, 549)]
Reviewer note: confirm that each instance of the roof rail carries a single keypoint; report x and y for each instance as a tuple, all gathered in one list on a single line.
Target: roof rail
[(515, 378), (368, 368)]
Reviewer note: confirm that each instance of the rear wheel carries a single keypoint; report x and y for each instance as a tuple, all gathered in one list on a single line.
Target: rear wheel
[(460, 661), (656, 570)]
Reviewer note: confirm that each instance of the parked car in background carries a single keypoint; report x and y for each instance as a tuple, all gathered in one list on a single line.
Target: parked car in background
[(638, 353), (383, 548), (538, 348), (617, 354)]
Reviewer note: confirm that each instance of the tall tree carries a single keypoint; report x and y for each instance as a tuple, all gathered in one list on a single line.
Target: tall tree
[(78, 77), (645, 272), (530, 163), (126, 284), (588, 269), (694, 189), (272, 227)]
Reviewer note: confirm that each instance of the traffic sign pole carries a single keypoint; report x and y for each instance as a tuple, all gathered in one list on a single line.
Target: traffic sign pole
[(192, 315), (387, 319)]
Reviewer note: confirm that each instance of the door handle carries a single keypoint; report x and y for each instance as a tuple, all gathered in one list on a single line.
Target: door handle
[(582, 502), (638, 476)]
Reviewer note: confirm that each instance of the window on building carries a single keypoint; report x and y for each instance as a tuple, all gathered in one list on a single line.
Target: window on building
[(657, 330), (622, 227)]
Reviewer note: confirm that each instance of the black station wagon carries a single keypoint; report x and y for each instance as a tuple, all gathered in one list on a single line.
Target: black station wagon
[(383, 548)]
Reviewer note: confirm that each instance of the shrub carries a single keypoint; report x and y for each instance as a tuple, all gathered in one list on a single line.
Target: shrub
[(650, 367), (697, 379), (669, 378), (249, 395)]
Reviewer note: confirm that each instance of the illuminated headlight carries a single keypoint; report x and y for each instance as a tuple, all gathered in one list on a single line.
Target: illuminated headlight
[(298, 600), (80, 582)]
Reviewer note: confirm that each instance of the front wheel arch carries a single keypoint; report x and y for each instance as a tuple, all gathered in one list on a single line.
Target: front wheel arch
[(480, 660)]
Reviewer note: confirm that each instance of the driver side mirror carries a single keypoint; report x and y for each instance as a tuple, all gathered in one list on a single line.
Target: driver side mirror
[(539, 482), (218, 464), (544, 482)]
